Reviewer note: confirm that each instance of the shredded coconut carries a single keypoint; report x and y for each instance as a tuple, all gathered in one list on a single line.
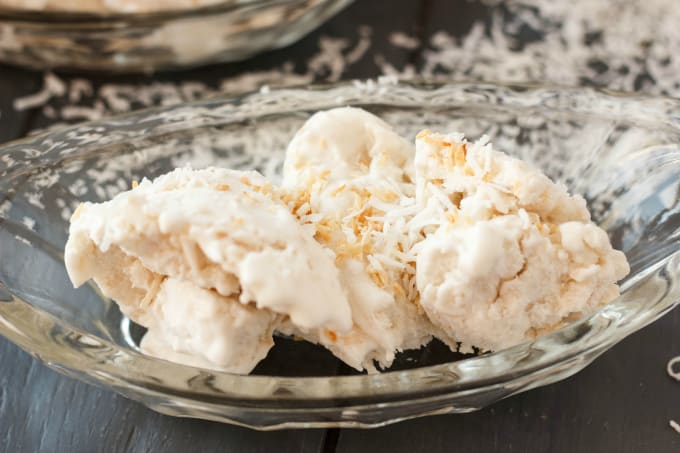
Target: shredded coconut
[(404, 41), (73, 100), (675, 426), (29, 222), (675, 374), (22, 239), (670, 368), (53, 86), (624, 44)]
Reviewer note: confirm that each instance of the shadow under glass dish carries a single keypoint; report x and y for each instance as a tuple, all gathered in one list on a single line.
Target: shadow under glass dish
[(231, 30), (621, 152)]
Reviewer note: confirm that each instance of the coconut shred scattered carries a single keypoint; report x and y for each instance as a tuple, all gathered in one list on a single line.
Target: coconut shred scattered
[(675, 426), (369, 246), (623, 44), (672, 370)]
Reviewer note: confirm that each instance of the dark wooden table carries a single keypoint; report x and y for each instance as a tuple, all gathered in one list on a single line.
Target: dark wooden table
[(621, 403)]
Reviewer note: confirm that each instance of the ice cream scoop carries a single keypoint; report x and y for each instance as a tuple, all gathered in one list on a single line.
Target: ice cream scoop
[(507, 253)]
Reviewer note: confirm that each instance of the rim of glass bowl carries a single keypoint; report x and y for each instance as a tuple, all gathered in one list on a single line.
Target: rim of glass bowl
[(95, 360), (57, 17)]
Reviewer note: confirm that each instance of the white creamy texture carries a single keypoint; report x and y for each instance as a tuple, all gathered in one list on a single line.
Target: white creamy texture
[(350, 175), (508, 254), (345, 143), (369, 248), (186, 324), (222, 230), (200, 327), (102, 6)]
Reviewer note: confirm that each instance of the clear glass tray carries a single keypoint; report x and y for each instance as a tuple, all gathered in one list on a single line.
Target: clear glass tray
[(620, 151), (97, 41)]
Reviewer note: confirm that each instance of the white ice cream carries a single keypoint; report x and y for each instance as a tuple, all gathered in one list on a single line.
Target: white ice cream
[(196, 326), (350, 175), (369, 248), (508, 254), (221, 230)]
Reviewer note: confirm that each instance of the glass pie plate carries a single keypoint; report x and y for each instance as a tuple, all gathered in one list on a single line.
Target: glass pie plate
[(620, 151), (229, 30)]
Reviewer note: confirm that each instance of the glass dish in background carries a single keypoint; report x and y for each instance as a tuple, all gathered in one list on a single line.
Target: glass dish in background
[(621, 152), (229, 31)]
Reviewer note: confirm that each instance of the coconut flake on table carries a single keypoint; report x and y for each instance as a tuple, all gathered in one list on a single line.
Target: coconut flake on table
[(670, 368), (76, 99), (623, 46), (675, 426)]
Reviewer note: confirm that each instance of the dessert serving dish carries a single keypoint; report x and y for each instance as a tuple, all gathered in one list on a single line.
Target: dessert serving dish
[(619, 151), (101, 39)]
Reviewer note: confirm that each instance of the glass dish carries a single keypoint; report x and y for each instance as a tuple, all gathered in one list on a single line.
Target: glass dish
[(229, 31), (620, 151)]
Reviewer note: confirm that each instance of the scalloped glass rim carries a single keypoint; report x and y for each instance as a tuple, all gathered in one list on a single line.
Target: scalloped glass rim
[(77, 17), (231, 30), (270, 402)]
